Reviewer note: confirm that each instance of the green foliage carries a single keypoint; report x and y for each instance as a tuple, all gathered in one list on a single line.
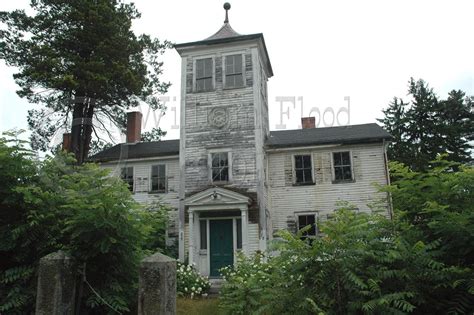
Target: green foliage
[(81, 59), (153, 135), (189, 282), (55, 204), (428, 126), (438, 206)]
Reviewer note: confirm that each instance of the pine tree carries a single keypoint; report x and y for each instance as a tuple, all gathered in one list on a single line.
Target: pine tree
[(83, 63), (427, 127)]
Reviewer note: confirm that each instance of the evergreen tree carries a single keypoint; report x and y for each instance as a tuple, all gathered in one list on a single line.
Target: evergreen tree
[(83, 63), (427, 127)]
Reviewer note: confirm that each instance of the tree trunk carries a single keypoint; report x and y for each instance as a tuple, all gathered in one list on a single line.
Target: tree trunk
[(81, 129)]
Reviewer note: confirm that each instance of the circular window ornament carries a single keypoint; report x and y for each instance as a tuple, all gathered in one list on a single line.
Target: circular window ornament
[(218, 117)]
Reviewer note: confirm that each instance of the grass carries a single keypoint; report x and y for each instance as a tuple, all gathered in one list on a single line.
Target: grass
[(197, 306)]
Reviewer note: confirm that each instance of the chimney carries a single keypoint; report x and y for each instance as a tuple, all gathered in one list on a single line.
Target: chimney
[(134, 127), (66, 146), (308, 122)]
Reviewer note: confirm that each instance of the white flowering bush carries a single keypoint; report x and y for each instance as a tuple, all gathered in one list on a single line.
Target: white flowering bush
[(190, 282)]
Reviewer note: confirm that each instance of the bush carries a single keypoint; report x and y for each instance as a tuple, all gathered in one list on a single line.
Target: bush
[(189, 282), (421, 262), (55, 204)]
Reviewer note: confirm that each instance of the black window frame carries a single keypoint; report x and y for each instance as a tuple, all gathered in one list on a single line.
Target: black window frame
[(233, 71), (311, 233), (207, 79), (302, 170), (220, 173), (159, 178), (342, 165), (126, 177)]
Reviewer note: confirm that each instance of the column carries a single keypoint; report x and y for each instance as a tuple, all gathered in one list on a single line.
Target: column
[(191, 237), (245, 244)]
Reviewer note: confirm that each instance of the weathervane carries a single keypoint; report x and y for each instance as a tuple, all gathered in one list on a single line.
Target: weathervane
[(226, 8)]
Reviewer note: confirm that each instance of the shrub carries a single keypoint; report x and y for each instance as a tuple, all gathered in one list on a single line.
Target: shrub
[(189, 282)]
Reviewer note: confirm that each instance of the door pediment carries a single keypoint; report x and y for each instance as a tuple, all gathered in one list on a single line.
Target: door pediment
[(217, 196)]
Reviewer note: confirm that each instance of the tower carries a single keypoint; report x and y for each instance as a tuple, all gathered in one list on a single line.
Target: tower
[(224, 124)]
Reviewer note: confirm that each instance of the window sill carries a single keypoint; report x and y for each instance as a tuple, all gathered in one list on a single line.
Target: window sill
[(304, 184), (201, 92), (221, 182), (233, 88), (156, 192), (347, 181)]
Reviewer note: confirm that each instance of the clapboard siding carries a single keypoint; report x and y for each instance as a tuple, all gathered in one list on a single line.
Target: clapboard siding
[(323, 196), (142, 173)]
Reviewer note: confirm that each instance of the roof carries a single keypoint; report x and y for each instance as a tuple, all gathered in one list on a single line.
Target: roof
[(137, 150), (224, 32), (365, 133)]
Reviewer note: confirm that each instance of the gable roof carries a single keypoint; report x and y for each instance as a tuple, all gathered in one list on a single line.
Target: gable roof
[(137, 150), (365, 133)]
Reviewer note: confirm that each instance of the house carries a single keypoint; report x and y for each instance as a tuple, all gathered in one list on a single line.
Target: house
[(232, 181)]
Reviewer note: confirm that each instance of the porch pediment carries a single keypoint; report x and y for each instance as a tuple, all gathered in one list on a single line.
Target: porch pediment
[(217, 196)]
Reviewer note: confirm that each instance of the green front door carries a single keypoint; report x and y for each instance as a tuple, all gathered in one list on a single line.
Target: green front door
[(221, 250)]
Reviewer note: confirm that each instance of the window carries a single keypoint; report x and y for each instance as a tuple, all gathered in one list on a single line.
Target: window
[(204, 75), (303, 169), (220, 167), (203, 230), (233, 71), (127, 176), (342, 166), (239, 233), (305, 220), (158, 178)]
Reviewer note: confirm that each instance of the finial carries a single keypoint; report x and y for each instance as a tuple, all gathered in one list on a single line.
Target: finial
[(226, 8)]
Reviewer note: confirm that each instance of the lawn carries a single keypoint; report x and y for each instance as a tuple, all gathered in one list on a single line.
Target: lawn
[(197, 306)]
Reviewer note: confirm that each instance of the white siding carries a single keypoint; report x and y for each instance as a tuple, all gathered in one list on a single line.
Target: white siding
[(322, 197), (142, 174)]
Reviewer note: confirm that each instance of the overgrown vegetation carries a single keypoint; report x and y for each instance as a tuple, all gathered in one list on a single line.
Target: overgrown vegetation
[(55, 204), (421, 262)]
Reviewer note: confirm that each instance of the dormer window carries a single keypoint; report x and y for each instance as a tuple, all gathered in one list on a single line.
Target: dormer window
[(234, 71), (204, 75)]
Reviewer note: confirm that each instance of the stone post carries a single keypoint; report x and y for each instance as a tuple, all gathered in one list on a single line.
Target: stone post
[(56, 285), (157, 286)]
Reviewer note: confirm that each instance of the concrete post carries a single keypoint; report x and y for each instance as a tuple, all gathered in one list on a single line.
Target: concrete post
[(157, 286), (56, 285)]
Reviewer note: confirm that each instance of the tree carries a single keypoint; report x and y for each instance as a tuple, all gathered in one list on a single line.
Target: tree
[(82, 62), (55, 204), (426, 126)]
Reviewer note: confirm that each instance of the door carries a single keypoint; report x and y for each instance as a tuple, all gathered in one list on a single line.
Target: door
[(221, 251)]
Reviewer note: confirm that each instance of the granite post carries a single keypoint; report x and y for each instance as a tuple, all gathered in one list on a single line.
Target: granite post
[(157, 286), (56, 285)]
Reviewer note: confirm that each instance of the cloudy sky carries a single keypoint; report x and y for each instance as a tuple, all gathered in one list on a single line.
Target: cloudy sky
[(321, 52)]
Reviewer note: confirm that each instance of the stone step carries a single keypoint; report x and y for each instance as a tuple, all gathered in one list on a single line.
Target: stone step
[(216, 285)]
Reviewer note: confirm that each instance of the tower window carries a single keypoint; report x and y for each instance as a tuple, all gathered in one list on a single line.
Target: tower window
[(204, 75), (234, 71), (220, 167)]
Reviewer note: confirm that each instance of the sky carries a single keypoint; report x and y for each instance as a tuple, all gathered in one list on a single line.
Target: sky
[(327, 56)]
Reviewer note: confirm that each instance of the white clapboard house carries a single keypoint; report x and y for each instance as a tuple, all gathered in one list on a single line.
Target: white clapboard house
[(232, 182)]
